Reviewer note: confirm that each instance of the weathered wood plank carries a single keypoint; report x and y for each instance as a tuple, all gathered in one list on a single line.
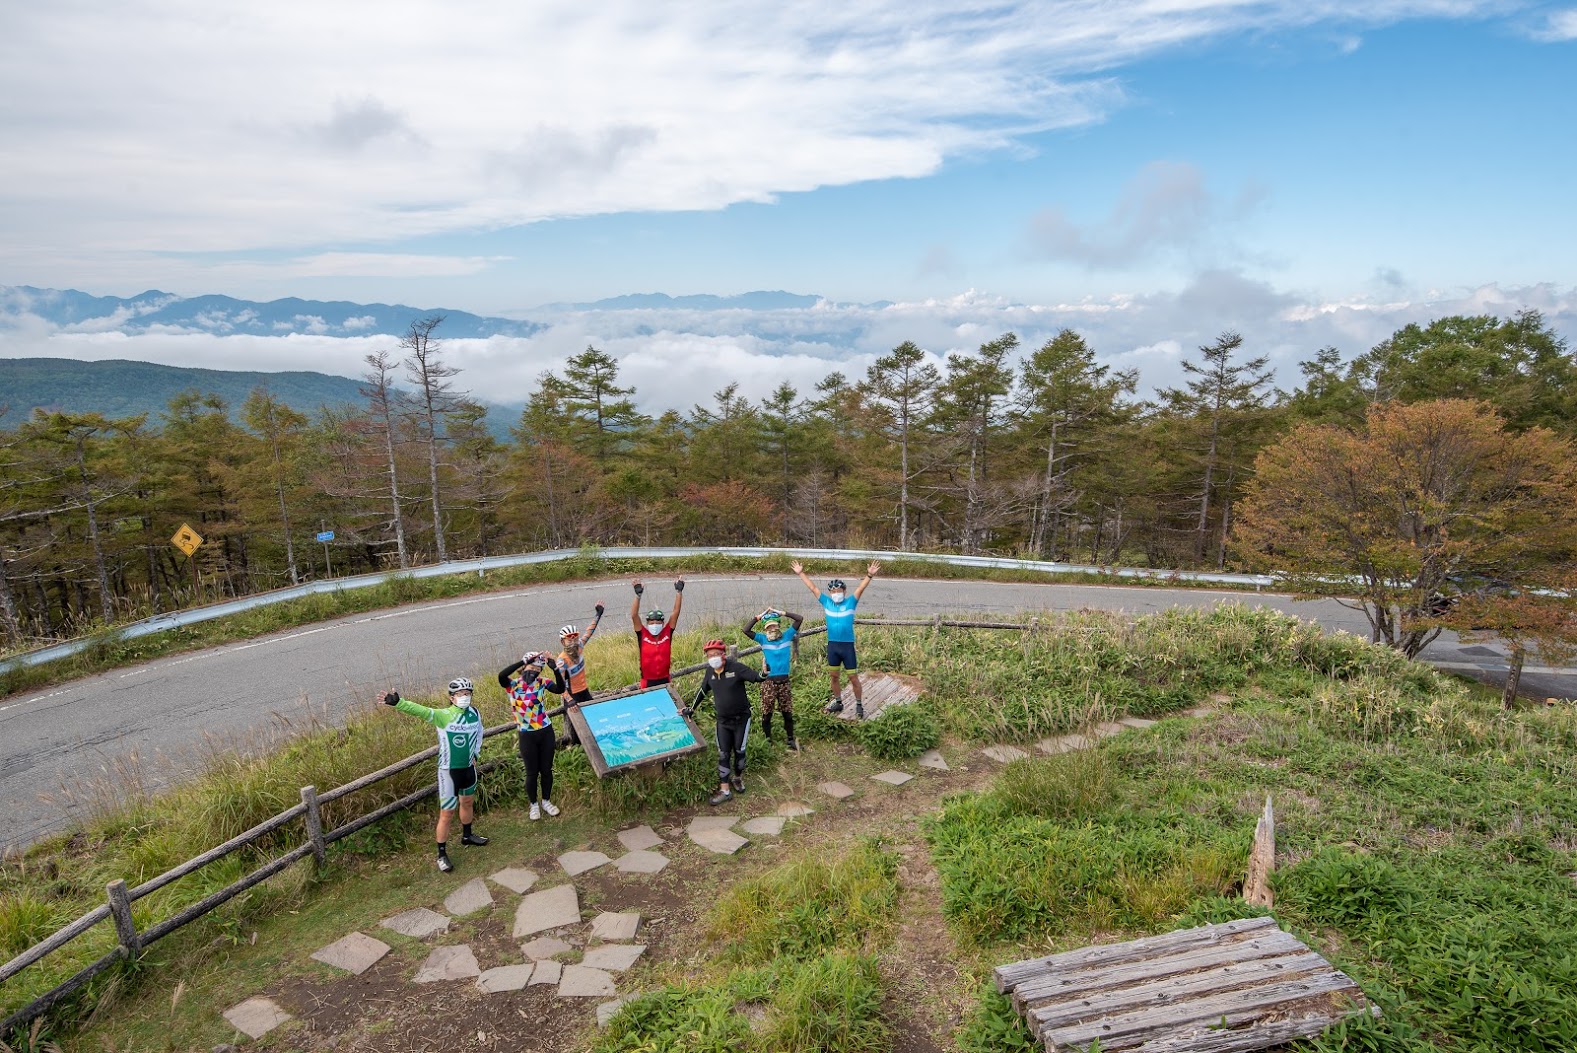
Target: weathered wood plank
[(1187, 960), (1164, 994), (1257, 1000), (1262, 860), (1008, 976), (1260, 1034)]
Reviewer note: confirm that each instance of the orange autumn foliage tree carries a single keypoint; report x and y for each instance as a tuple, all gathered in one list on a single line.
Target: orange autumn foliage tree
[(1540, 622), (1381, 517)]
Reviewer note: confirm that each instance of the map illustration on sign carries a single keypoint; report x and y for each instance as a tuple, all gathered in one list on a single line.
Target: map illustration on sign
[(639, 727)]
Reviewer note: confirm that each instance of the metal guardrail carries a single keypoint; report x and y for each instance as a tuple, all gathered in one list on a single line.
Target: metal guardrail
[(192, 616), (132, 943)]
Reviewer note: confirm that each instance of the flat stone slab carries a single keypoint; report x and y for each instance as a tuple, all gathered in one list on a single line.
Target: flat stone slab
[(1063, 743), (835, 789), (723, 842), (608, 1010), (932, 759), (580, 982), (579, 862), (541, 911), (711, 822), (516, 879), (1107, 728), (641, 862), (1139, 723), (506, 978), (256, 1017), (795, 810), (1004, 754), (455, 962), (640, 838), (545, 947), (418, 922), (615, 927), (765, 826), (893, 778), (468, 898), (356, 953), (548, 972), (614, 957)]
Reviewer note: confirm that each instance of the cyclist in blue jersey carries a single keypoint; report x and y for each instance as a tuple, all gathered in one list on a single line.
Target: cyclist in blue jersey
[(839, 607), (777, 648)]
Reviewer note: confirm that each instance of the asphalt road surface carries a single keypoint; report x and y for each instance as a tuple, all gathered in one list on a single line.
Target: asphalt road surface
[(161, 719)]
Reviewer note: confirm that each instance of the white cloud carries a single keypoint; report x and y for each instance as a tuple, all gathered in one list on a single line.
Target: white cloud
[(677, 358), (1561, 26), (165, 126)]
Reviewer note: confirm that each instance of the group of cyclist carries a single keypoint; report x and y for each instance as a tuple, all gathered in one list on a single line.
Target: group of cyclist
[(536, 675)]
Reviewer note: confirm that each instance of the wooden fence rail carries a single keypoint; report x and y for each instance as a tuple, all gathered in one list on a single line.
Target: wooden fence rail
[(117, 908)]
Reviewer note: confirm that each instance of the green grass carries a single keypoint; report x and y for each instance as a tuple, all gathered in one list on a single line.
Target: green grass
[(109, 651)]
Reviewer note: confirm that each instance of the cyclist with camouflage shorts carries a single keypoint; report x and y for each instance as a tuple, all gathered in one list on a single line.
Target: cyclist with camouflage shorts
[(459, 744), (655, 639), (777, 649)]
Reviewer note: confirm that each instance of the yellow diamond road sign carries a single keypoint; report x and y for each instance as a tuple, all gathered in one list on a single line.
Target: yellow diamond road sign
[(186, 539)]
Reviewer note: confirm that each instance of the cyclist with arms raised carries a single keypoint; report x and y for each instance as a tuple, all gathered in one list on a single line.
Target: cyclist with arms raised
[(655, 638), (840, 633)]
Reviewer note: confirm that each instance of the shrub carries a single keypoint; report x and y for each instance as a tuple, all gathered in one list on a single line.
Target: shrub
[(1071, 785), (901, 732)]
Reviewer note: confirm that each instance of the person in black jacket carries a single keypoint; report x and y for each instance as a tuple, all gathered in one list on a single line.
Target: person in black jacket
[(725, 680)]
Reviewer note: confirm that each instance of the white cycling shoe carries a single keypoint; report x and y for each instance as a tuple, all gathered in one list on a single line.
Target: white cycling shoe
[(549, 807)]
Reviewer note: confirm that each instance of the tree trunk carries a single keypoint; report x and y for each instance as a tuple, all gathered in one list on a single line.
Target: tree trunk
[(8, 618), (903, 482), (432, 474), (1508, 698), (394, 492)]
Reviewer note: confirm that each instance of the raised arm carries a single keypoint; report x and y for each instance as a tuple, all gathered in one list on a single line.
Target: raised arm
[(592, 629), (635, 608), (797, 619), (558, 685), (870, 572), (750, 625), (678, 602), (507, 673), (799, 568)]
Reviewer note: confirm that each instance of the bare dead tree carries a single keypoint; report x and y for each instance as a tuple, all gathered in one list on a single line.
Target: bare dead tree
[(434, 399)]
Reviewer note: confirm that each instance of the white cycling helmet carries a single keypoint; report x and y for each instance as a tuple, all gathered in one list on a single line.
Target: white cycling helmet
[(568, 631), (459, 684)]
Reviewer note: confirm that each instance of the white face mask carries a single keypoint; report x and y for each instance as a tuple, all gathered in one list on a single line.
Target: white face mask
[(462, 700), (715, 661), (654, 627), (837, 596)]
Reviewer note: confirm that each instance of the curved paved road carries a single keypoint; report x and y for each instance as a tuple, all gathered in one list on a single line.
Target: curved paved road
[(77, 734)]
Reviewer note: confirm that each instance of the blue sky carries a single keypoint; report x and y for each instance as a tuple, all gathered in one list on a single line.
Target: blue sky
[(1249, 164)]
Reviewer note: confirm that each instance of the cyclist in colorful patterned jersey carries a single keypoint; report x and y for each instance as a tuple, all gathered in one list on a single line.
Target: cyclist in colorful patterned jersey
[(655, 638), (572, 663), (777, 648), (840, 634), (525, 684), (459, 744)]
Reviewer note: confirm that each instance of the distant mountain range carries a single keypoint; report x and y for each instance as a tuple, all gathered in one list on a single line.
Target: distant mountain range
[(750, 301), (225, 315)]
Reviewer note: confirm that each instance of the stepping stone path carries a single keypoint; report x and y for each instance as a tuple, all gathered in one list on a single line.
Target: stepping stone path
[(577, 863), (455, 962), (640, 838), (1004, 754), (766, 826), (835, 789), (548, 972), (794, 810), (256, 1017), (545, 947), (880, 690), (932, 759), (419, 922), (1139, 723), (615, 927), (468, 898), (641, 862), (355, 953), (516, 879), (1064, 743), (1107, 728), (893, 778), (614, 957), (542, 911), (711, 822), (505, 978), (607, 1010), (580, 982), (712, 833)]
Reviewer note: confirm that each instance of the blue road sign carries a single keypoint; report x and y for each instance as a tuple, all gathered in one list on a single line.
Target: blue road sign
[(327, 535)]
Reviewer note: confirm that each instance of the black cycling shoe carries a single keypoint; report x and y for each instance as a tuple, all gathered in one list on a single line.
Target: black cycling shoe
[(859, 711), (738, 783), (721, 797), (835, 706), (474, 839)]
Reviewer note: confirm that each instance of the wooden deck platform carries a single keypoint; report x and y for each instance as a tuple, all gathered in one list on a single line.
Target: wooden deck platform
[(881, 690), (1241, 985)]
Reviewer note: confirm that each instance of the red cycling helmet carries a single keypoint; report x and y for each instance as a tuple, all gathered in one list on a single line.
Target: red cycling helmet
[(714, 645)]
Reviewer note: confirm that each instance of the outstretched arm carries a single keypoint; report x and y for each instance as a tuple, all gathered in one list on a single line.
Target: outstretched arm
[(592, 629), (870, 572), (635, 609), (678, 602), (799, 568)]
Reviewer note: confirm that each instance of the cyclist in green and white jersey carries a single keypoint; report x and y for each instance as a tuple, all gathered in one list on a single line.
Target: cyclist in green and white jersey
[(459, 744)]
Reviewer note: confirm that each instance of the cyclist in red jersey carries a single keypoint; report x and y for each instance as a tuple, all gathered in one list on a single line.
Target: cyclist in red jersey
[(654, 638)]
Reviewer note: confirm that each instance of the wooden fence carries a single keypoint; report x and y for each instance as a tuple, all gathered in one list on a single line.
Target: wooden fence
[(119, 898)]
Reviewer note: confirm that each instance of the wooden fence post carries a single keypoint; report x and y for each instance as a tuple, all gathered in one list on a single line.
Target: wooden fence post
[(125, 927), (1262, 860), (314, 821)]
